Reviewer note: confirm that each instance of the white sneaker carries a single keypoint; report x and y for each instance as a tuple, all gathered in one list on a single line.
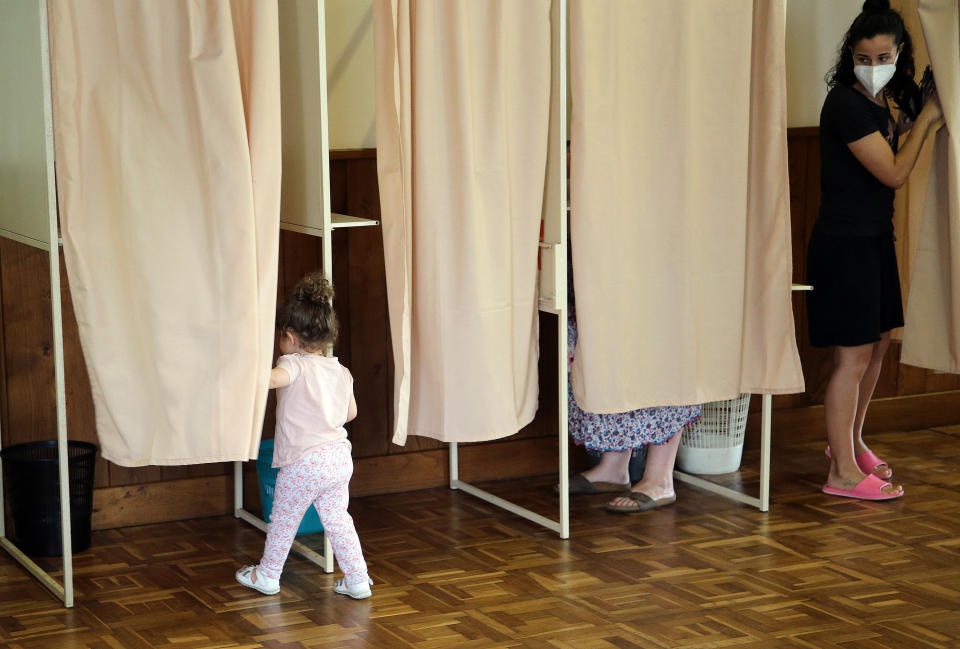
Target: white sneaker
[(265, 585), (358, 591)]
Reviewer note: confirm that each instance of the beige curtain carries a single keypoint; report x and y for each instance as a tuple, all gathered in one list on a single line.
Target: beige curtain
[(463, 92), (167, 127), (908, 205), (679, 203), (932, 331)]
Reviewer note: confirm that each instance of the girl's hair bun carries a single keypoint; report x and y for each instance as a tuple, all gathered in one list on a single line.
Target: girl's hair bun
[(314, 289), (308, 312), (876, 6)]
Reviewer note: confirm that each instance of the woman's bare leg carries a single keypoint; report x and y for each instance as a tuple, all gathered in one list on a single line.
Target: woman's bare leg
[(867, 386), (841, 405), (657, 479), (614, 466)]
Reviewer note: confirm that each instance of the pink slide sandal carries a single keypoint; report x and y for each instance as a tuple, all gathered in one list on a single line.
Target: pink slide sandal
[(868, 462), (870, 488)]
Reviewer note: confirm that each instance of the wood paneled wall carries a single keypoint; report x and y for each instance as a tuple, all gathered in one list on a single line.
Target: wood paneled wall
[(27, 411), (129, 496), (895, 379)]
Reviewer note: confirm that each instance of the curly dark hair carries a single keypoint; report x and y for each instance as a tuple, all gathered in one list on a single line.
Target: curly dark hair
[(878, 18), (308, 312)]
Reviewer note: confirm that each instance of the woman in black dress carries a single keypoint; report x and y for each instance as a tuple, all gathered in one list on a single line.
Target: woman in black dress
[(852, 262)]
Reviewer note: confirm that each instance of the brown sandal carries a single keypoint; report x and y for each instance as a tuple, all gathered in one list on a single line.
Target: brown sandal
[(642, 503), (580, 486)]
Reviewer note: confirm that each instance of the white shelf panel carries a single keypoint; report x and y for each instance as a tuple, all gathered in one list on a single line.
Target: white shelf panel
[(26, 150), (547, 306), (344, 221), (30, 241), (337, 221), (303, 229), (551, 280)]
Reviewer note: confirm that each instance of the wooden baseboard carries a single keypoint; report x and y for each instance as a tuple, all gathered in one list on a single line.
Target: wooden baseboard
[(478, 463), (352, 154), (913, 412), (213, 496), (160, 502), (803, 131), (175, 500)]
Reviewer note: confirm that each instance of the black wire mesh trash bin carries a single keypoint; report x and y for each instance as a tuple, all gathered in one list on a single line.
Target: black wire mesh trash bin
[(31, 484)]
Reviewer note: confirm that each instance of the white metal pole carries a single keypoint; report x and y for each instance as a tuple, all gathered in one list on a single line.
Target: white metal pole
[(327, 242), (765, 428), (325, 562), (62, 448), (237, 488), (513, 508), (454, 466), (561, 270), (41, 575), (57, 316), (562, 428), (327, 554)]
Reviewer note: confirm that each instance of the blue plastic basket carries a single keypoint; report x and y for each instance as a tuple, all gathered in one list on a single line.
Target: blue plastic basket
[(267, 477)]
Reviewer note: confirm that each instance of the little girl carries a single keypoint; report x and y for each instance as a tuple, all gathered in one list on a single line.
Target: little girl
[(314, 401)]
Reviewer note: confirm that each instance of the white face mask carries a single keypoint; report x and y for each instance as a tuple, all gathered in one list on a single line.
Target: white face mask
[(875, 77)]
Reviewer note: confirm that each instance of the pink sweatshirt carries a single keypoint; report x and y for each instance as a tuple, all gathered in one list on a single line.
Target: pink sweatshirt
[(312, 409)]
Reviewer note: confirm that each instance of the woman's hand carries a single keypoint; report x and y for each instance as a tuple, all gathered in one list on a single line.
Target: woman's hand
[(932, 112), (904, 123), (893, 169)]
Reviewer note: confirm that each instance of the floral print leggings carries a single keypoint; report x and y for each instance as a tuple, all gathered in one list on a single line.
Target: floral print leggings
[(321, 478)]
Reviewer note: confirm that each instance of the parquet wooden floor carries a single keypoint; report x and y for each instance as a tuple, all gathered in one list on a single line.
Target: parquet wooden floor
[(451, 571)]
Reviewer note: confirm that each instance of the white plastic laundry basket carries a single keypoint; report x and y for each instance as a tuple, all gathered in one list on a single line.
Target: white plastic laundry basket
[(715, 443)]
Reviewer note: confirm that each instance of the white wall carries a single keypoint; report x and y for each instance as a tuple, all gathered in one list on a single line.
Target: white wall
[(350, 74), (24, 188), (814, 31)]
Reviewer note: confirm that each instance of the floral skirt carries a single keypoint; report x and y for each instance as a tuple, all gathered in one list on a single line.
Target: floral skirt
[(623, 431)]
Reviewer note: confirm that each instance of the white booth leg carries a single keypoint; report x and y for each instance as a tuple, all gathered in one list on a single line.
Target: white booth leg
[(324, 561), (763, 501), (56, 311), (765, 440), (454, 465)]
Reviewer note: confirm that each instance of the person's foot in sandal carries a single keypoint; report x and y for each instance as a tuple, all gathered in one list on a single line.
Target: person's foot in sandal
[(635, 501), (871, 464), (852, 482), (868, 462), (870, 488), (581, 485)]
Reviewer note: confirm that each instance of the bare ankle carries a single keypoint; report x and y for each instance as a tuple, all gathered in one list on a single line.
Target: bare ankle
[(654, 489), (844, 475), (598, 474)]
